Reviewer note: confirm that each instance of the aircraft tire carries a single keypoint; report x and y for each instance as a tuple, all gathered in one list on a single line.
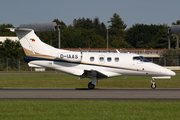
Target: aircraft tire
[(91, 86), (153, 86)]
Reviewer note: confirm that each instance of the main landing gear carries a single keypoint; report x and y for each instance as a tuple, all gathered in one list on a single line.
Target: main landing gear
[(93, 82), (91, 86), (153, 85)]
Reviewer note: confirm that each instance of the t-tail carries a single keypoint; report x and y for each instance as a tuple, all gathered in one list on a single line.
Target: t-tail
[(34, 47), (31, 44)]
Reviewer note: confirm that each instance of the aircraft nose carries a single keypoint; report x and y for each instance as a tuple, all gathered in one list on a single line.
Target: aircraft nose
[(168, 72), (172, 73)]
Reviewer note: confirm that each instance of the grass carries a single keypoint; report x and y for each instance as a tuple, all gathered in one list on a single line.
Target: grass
[(88, 110), (68, 81)]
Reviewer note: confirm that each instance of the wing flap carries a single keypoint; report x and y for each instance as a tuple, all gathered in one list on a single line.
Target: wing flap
[(93, 73), (97, 74)]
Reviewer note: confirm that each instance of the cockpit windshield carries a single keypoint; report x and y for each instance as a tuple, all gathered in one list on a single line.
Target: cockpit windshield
[(140, 58)]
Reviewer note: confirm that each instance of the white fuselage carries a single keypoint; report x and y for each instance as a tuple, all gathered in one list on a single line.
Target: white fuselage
[(110, 64)]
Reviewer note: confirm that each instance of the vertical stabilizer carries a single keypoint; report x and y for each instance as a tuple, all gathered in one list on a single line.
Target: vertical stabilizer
[(31, 44)]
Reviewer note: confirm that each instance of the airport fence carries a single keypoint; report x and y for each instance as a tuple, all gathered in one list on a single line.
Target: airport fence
[(21, 65), (165, 61), (16, 65)]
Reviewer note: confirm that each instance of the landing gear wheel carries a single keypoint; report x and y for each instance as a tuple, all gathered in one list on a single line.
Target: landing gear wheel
[(153, 86), (91, 86)]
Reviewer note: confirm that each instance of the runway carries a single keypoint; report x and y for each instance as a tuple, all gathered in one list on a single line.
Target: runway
[(86, 94)]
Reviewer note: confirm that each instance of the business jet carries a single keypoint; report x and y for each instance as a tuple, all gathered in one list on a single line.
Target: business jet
[(92, 65)]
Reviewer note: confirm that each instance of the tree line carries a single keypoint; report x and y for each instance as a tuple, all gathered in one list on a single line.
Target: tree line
[(88, 33)]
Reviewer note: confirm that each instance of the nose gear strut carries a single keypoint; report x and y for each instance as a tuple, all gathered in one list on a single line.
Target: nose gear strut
[(153, 85)]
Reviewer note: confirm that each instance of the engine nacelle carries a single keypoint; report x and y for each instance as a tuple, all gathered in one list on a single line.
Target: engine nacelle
[(70, 56)]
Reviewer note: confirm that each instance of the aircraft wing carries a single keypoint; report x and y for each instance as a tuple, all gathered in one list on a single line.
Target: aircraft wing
[(32, 65), (93, 73), (97, 74)]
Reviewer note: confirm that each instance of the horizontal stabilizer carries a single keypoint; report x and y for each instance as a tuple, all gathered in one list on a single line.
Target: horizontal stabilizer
[(175, 29), (40, 26)]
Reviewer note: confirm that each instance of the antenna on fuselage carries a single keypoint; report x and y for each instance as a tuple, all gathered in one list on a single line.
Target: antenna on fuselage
[(117, 51)]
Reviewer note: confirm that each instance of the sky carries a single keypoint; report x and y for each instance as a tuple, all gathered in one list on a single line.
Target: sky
[(148, 12)]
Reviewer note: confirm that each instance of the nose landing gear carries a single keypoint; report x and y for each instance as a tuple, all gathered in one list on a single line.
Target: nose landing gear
[(153, 85)]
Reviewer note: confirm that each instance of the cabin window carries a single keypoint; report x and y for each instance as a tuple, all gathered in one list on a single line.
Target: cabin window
[(91, 59), (109, 59), (116, 59), (101, 59)]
